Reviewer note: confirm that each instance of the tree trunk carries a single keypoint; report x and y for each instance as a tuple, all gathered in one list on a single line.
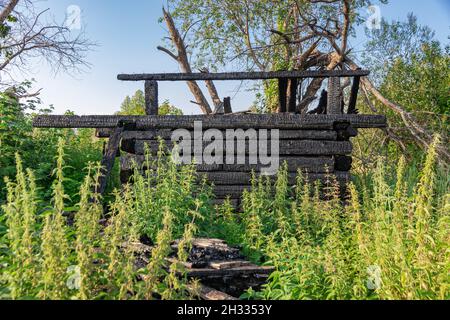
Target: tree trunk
[(183, 61)]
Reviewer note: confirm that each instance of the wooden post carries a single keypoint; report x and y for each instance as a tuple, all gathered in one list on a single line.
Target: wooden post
[(151, 98), (282, 93), (227, 105), (354, 96), (292, 105), (334, 96), (109, 158)]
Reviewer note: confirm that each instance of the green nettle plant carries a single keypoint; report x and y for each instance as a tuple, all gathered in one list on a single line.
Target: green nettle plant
[(386, 240), (53, 252)]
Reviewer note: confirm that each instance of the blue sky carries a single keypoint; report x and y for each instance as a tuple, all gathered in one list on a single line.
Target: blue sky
[(128, 33)]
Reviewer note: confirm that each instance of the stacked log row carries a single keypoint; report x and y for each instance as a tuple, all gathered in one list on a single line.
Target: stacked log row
[(318, 152)]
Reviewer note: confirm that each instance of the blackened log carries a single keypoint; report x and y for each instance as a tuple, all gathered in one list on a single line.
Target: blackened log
[(109, 159), (345, 131), (236, 191), (292, 103), (286, 147), (334, 96), (354, 96), (245, 179), (166, 134), (227, 105), (242, 75), (130, 161), (151, 98), (294, 164), (343, 163), (241, 121), (282, 95)]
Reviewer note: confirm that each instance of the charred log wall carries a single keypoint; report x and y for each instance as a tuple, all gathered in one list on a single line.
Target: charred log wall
[(317, 152)]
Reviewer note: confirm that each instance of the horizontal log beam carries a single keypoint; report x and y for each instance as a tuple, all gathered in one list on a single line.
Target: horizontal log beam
[(129, 161), (166, 134), (245, 179), (236, 272), (236, 191), (286, 147), (242, 75), (306, 164), (234, 121)]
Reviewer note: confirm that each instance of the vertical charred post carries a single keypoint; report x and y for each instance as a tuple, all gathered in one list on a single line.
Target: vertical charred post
[(151, 98)]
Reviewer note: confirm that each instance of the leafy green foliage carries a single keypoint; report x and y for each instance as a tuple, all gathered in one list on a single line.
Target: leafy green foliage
[(387, 242), (411, 69), (45, 257), (135, 105), (38, 148)]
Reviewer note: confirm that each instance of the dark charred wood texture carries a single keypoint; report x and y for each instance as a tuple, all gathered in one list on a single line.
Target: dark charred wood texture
[(334, 104), (282, 95), (235, 121), (286, 147), (354, 96), (292, 101), (234, 179), (242, 75), (151, 98), (306, 164), (227, 105), (108, 159), (343, 163), (330, 135), (318, 145)]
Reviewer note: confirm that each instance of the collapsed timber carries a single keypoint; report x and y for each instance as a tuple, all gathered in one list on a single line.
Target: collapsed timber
[(221, 271)]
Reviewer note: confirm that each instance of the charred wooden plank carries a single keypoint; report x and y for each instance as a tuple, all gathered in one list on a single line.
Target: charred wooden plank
[(227, 105), (236, 191), (130, 161), (224, 181), (354, 96), (151, 98), (221, 267), (334, 96), (345, 131), (282, 95), (108, 159), (343, 163), (292, 103), (307, 164), (210, 294), (242, 75), (241, 271), (166, 134), (245, 179), (225, 265), (294, 164), (242, 121), (286, 147)]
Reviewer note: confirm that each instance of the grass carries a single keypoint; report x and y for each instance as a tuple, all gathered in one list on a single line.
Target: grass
[(390, 240)]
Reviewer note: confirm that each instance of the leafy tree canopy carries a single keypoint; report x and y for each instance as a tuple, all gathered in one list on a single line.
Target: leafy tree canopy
[(135, 105)]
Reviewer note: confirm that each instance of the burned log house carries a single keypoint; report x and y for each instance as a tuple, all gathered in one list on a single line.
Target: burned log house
[(317, 143)]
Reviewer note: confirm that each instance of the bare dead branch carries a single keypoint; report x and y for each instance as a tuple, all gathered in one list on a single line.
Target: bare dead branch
[(183, 61)]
